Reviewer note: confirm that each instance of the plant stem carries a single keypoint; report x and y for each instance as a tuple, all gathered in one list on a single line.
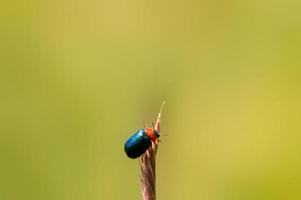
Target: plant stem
[(148, 166), (148, 170)]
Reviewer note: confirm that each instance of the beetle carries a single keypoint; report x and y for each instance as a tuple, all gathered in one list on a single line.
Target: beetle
[(141, 140)]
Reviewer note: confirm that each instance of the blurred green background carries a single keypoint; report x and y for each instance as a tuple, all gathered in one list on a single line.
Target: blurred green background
[(78, 77)]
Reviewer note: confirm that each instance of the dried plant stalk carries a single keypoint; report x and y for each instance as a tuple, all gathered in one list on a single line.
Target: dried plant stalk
[(148, 170), (148, 166)]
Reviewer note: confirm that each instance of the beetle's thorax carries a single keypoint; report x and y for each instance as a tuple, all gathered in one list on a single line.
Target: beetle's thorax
[(151, 134)]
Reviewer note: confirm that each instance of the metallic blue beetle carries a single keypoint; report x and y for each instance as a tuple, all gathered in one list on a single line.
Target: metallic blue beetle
[(140, 141)]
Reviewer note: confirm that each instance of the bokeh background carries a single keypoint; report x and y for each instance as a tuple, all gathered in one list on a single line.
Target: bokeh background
[(79, 77)]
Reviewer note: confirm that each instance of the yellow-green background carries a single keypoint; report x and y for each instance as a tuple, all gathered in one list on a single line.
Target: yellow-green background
[(78, 77)]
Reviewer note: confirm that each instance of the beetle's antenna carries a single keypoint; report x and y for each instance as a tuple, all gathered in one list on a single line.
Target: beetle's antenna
[(144, 124), (153, 124), (157, 126)]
